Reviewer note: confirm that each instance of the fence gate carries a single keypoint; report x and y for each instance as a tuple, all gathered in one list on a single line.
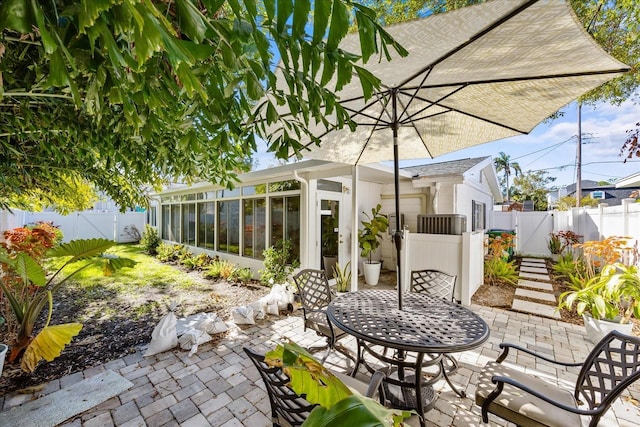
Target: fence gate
[(532, 230)]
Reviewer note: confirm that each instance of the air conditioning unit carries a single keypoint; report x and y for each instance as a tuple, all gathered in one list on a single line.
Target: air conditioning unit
[(442, 224)]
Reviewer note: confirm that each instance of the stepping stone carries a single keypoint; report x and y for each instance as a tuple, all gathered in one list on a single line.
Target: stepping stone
[(536, 285), (533, 264), (534, 261), (535, 308), (537, 270), (535, 276), (543, 296), (55, 408)]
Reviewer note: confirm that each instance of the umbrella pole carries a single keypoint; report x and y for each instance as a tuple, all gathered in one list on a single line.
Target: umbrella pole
[(397, 235)]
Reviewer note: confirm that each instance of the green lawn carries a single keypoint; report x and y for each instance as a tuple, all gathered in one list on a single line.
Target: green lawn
[(148, 272)]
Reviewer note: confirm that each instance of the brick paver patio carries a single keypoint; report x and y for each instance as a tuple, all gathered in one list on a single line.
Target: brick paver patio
[(219, 386)]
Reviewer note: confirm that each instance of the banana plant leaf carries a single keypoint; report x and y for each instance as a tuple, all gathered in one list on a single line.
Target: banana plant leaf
[(308, 376), (48, 344), (355, 411), (80, 249)]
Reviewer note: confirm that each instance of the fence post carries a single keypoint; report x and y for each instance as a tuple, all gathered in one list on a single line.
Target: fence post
[(601, 207), (625, 215)]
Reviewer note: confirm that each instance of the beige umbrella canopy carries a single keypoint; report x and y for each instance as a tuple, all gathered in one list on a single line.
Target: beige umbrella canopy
[(474, 75)]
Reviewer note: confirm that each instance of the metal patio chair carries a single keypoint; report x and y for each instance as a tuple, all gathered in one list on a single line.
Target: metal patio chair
[(435, 283), (289, 409), (526, 400), (315, 296), (441, 285)]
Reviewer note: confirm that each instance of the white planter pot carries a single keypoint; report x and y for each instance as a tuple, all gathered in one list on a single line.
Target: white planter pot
[(3, 353), (597, 328), (372, 272)]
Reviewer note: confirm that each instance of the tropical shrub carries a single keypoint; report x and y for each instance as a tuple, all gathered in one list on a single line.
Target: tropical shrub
[(27, 288), (606, 288), (554, 244), (242, 275), (497, 267), (150, 240), (168, 252), (219, 269), (278, 263), (570, 265), (197, 262)]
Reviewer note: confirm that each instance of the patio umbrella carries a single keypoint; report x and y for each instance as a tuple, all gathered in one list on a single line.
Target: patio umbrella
[(474, 75)]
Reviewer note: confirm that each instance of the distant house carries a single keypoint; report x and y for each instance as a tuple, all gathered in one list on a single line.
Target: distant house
[(610, 194)]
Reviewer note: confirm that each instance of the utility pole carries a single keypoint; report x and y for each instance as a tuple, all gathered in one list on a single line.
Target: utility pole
[(579, 158)]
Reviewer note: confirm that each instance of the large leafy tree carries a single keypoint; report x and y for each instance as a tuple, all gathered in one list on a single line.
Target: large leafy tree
[(127, 94), (504, 164), (532, 185)]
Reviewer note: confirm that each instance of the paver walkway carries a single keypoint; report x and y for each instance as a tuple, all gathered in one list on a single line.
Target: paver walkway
[(219, 386), (534, 293)]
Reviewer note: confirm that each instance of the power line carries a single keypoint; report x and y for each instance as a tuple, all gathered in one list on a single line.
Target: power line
[(584, 164), (546, 148)]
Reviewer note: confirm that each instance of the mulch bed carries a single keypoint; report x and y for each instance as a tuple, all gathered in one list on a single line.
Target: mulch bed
[(121, 331)]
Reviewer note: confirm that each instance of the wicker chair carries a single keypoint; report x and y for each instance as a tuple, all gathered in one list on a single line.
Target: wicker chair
[(526, 400), (315, 296), (289, 409)]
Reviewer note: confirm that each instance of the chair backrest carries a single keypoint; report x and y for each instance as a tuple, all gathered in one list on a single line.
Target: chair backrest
[(314, 289), (287, 408), (612, 366), (433, 282)]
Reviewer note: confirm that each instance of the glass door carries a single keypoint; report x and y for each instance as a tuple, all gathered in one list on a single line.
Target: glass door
[(329, 234)]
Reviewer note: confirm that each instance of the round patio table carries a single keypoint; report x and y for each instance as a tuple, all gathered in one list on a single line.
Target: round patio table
[(420, 334)]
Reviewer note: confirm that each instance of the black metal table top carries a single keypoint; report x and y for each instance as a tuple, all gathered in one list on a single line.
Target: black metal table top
[(425, 324)]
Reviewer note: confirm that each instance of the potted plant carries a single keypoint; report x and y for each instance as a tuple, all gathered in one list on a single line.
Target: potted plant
[(369, 239), (343, 277), (605, 297), (560, 241)]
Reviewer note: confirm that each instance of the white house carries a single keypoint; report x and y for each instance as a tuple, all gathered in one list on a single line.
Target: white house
[(294, 201)]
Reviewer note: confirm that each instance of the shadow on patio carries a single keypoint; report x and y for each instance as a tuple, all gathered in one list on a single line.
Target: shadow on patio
[(219, 386)]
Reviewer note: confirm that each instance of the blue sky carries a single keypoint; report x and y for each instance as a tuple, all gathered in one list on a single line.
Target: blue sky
[(552, 146)]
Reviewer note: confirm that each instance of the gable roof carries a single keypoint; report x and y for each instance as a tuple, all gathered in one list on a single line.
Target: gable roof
[(453, 167)]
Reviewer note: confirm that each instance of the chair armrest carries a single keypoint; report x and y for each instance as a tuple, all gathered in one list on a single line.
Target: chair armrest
[(500, 381), (505, 351), (374, 383)]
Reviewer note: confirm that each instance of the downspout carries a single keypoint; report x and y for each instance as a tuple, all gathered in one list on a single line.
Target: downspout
[(436, 195), (304, 221), (355, 247)]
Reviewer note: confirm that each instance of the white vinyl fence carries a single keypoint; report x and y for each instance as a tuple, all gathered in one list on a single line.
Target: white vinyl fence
[(460, 255), (533, 228), (81, 225)]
